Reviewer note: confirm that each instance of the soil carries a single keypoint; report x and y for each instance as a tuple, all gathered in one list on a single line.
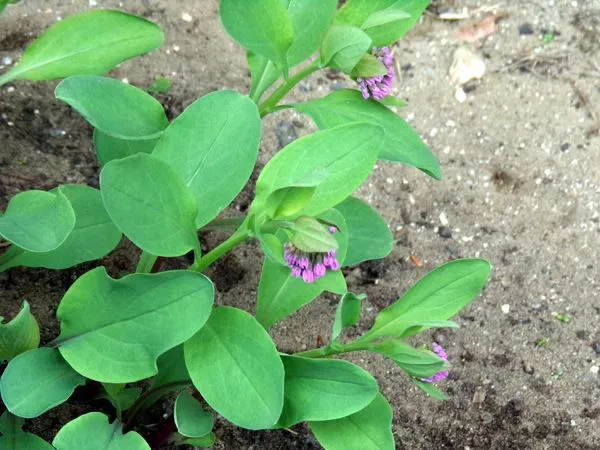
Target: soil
[(521, 165)]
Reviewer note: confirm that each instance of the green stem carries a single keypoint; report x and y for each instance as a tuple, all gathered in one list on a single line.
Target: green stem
[(221, 250), (142, 402), (146, 262), (267, 106), (336, 349)]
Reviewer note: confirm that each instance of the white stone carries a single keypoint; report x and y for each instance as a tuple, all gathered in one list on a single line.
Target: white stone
[(505, 308)]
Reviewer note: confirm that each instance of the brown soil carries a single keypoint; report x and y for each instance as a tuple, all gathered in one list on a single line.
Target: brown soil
[(521, 164)]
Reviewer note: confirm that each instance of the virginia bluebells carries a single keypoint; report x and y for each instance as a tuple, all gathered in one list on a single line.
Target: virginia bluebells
[(442, 374), (310, 266), (379, 86)]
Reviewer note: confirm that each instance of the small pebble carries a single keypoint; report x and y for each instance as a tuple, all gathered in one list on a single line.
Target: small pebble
[(445, 232), (7, 60), (505, 308), (525, 29), (186, 17), (10, 89), (595, 370)]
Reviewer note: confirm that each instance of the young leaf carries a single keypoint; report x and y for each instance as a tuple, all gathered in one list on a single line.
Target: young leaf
[(154, 208), (263, 27), (343, 47), (121, 397), (368, 66), (36, 381), (393, 102), (347, 313), (384, 21), (369, 237), (105, 102), (105, 322), (416, 363), (212, 146), (437, 296), (367, 429), (37, 221), (324, 389), (416, 328), (431, 390), (272, 247), (171, 368), (347, 153), (402, 144), (201, 442), (91, 43), (236, 367), (94, 235), (263, 73), (12, 437), (92, 431), (108, 147), (333, 282), (311, 236), (19, 335), (191, 420)]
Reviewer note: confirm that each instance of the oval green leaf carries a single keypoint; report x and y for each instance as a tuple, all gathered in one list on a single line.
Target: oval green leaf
[(344, 46), (263, 27), (323, 389), (367, 429), (19, 335), (437, 296), (347, 313), (191, 420), (401, 144), (92, 43), (37, 221), (236, 367), (36, 381), (12, 437), (347, 153), (369, 237), (105, 102), (113, 330), (415, 362), (92, 431), (94, 235), (154, 208), (213, 146)]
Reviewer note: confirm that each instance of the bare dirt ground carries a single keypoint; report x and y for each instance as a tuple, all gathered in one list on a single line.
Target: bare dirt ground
[(521, 187)]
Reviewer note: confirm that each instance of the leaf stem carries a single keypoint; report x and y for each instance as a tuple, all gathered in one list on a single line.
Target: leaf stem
[(271, 102), (221, 250), (146, 262), (334, 349)]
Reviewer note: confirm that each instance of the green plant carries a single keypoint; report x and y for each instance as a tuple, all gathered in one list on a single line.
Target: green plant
[(163, 183)]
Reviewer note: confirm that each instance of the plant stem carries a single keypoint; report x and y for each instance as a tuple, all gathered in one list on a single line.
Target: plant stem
[(221, 250), (146, 262), (267, 106), (336, 349)]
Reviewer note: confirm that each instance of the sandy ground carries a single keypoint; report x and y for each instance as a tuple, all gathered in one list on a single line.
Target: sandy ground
[(521, 165)]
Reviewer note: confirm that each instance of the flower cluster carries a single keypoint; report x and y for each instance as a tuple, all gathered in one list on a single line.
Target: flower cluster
[(310, 266), (442, 374), (379, 86)]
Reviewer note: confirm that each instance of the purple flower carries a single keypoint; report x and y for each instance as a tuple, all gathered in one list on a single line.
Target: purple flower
[(379, 86), (309, 266), (442, 374)]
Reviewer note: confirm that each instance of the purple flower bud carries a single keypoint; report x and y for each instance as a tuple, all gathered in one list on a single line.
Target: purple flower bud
[(308, 276), (333, 229), (319, 270), (334, 264), (442, 374), (379, 86), (296, 272)]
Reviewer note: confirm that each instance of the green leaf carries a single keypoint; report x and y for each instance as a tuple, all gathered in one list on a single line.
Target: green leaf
[(105, 322), (323, 389), (109, 147), (201, 442), (122, 398), (263, 73), (347, 313), (368, 66), (36, 381), (420, 326), (160, 86), (264, 27), (369, 237), (171, 368), (37, 221), (92, 43), (154, 208), (212, 146), (386, 16), (367, 429), (191, 420), (311, 236), (438, 296), (416, 363), (402, 144), (105, 102), (280, 294), (343, 47), (431, 390), (19, 335), (93, 236), (393, 102), (236, 367), (272, 247), (384, 21), (14, 438), (92, 431), (347, 153)]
